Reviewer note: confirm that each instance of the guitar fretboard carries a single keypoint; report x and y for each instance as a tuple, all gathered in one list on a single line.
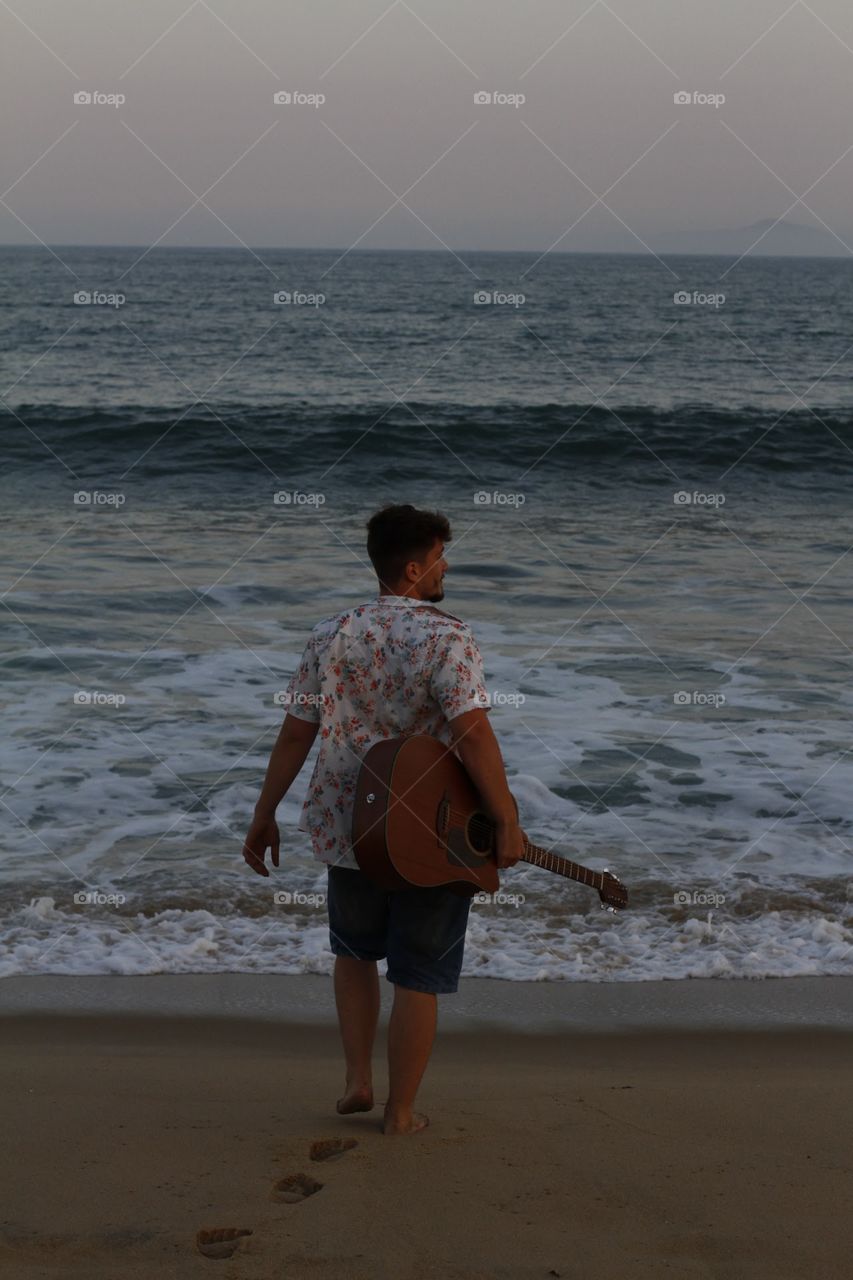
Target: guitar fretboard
[(562, 866)]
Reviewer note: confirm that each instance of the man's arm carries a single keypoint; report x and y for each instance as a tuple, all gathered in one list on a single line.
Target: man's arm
[(477, 747), (291, 749), (289, 754)]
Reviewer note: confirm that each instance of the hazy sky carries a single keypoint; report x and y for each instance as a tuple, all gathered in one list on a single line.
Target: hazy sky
[(400, 117)]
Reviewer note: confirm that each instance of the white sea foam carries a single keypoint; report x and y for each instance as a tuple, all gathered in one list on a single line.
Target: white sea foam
[(749, 801), (586, 946)]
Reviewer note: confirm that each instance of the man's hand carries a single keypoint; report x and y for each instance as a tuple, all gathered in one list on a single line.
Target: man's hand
[(262, 835), (509, 844), (288, 756), (477, 748)]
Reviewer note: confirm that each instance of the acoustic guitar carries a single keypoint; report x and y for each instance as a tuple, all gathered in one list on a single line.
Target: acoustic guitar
[(418, 821)]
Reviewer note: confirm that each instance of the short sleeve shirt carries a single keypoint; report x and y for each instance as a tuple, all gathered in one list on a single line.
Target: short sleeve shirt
[(390, 667)]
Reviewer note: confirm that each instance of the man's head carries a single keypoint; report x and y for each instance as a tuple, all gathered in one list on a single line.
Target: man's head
[(406, 548)]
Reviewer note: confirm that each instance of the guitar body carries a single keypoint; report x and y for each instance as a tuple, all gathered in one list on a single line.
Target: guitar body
[(418, 822)]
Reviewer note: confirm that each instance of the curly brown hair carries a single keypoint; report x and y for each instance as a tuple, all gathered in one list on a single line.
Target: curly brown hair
[(399, 533)]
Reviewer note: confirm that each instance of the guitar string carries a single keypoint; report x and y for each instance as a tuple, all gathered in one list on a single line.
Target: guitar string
[(485, 827)]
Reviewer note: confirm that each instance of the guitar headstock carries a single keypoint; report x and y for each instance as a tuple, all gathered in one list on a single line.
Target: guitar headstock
[(613, 893)]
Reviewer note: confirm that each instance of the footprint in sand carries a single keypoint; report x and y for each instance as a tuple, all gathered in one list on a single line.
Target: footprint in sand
[(331, 1148), (294, 1188), (220, 1242)]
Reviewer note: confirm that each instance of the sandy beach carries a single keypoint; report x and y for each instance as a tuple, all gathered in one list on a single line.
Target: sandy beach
[(688, 1153)]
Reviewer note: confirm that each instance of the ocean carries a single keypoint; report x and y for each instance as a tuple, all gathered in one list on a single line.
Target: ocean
[(647, 464)]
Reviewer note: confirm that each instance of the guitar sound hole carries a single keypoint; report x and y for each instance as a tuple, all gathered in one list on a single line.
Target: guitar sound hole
[(479, 833)]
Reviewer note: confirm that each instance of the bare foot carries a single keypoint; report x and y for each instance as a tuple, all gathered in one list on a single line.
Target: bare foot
[(357, 1098), (402, 1122)]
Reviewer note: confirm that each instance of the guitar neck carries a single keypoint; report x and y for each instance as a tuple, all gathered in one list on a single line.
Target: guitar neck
[(562, 866)]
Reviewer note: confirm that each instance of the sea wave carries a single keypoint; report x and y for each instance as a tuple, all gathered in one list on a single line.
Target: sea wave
[(799, 928), (572, 436)]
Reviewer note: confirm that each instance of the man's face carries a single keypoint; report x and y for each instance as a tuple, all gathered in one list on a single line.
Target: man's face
[(431, 571)]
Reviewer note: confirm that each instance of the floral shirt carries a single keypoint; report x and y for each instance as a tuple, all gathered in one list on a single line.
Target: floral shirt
[(391, 666)]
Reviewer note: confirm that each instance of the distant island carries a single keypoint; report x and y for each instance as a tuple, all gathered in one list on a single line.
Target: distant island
[(766, 236)]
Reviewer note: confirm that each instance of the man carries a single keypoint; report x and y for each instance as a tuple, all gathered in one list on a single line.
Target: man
[(391, 666)]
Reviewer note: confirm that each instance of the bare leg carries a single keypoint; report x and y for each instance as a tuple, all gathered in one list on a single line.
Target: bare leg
[(357, 1000), (411, 1032)]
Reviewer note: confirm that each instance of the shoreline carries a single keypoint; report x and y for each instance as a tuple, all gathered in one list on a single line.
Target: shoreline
[(481, 1004)]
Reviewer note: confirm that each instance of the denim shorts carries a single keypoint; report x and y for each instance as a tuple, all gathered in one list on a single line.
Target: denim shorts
[(420, 931)]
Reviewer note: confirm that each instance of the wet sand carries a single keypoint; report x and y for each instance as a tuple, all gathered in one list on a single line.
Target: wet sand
[(679, 1153)]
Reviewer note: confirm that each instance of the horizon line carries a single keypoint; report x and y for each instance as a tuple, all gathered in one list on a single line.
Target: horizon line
[(554, 253)]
